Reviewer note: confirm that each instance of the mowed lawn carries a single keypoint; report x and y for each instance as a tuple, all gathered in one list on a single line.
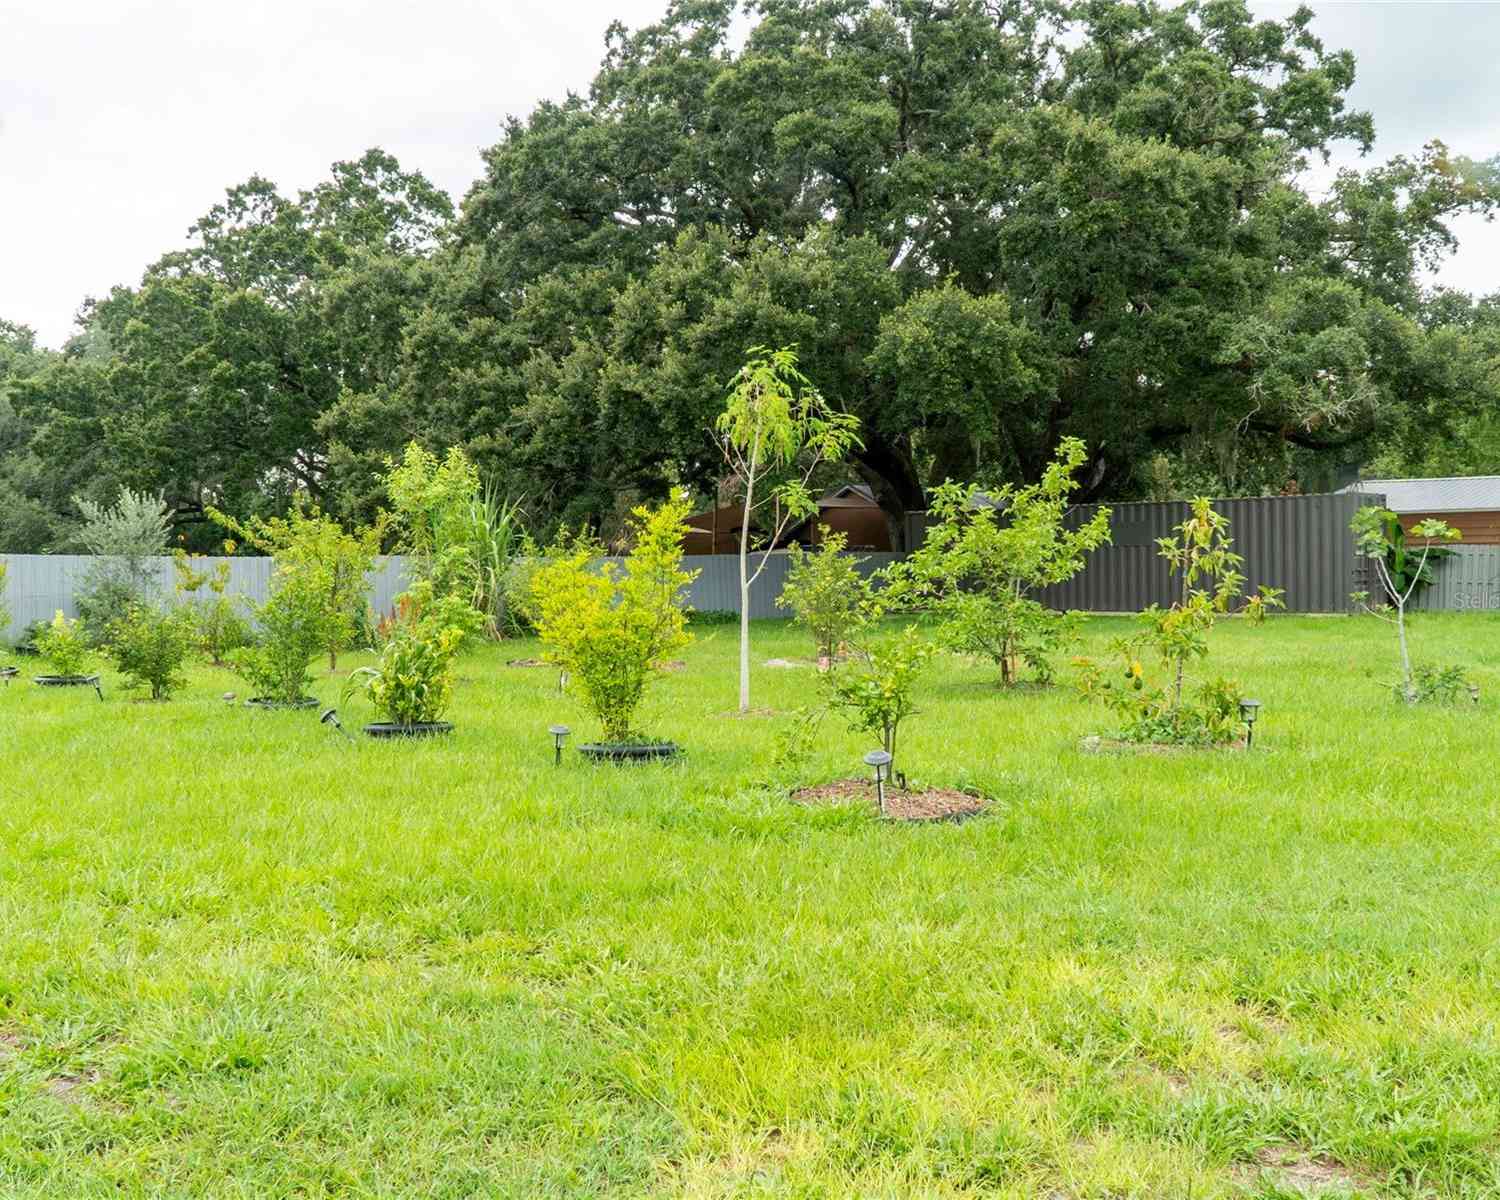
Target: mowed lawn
[(241, 958)]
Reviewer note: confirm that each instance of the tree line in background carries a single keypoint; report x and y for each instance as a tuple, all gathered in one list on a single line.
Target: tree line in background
[(988, 227)]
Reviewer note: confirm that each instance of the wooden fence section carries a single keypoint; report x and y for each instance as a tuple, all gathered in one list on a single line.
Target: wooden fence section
[(38, 585)]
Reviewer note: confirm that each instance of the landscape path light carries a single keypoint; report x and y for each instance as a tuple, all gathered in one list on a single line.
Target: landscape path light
[(559, 736), (1249, 712), (331, 717), (880, 760)]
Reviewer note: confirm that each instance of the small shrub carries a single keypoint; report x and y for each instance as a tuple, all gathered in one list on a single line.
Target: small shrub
[(218, 627), (985, 555), (713, 617), (875, 689), (65, 646), (827, 594), (150, 644), (609, 628), (292, 629), (413, 682), (1437, 685), (1201, 553)]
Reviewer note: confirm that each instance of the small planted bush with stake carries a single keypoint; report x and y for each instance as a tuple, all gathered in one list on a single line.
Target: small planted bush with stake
[(412, 685), (612, 630), (64, 646), (827, 595)]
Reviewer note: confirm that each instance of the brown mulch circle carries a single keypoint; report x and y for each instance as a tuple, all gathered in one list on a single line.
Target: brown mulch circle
[(529, 662), (735, 713), (930, 804), (674, 666)]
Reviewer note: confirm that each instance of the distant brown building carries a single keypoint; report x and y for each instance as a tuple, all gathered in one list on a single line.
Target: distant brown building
[(1469, 503), (850, 510)]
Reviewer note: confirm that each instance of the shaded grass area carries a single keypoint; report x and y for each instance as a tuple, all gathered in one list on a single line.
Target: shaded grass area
[(240, 958)]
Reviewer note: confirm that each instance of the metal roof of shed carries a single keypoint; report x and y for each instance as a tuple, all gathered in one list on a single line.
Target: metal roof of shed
[(1455, 493)]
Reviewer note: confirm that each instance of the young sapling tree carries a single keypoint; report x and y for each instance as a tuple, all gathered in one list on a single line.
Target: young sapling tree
[(827, 595), (1376, 536), (985, 555), (775, 432)]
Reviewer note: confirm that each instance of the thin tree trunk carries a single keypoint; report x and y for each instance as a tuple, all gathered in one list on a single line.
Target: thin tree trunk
[(745, 578)]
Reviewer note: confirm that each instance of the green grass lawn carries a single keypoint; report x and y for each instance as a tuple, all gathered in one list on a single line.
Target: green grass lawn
[(239, 958)]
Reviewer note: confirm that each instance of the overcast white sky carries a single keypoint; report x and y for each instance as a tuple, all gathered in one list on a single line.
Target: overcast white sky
[(121, 121)]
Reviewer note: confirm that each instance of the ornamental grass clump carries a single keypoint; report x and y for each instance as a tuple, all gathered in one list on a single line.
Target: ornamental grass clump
[(612, 628)]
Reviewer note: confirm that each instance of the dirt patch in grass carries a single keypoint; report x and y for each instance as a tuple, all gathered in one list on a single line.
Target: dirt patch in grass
[(673, 666), (928, 804), (67, 1088), (529, 662), (787, 664), (752, 712), (1295, 1168)]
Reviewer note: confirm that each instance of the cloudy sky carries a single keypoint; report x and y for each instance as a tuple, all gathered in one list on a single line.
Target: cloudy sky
[(121, 121)]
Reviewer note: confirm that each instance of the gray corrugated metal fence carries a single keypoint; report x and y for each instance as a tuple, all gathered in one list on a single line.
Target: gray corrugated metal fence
[(1299, 543), (1469, 581), (37, 585), (717, 587)]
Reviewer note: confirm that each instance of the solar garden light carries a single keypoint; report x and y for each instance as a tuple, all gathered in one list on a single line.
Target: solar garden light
[(331, 717), (880, 760), (559, 736), (1474, 692), (1249, 711)]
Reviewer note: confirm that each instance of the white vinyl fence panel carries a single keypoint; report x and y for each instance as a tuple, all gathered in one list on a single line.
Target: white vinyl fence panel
[(38, 585)]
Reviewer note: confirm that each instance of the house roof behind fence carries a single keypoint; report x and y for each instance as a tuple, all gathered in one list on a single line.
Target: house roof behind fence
[(1455, 493)]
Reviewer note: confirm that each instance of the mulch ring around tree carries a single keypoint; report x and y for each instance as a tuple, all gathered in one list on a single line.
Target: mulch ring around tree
[(1105, 745), (928, 804), (529, 662)]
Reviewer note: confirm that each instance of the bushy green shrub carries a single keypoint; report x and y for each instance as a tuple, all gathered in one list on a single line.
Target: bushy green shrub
[(291, 628), (413, 682), (826, 594), (611, 629), (327, 561), (149, 645), (65, 646), (987, 552)]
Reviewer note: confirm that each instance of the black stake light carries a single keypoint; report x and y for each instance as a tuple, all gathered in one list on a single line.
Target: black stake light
[(880, 760), (559, 736), (1249, 712), (331, 717)]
